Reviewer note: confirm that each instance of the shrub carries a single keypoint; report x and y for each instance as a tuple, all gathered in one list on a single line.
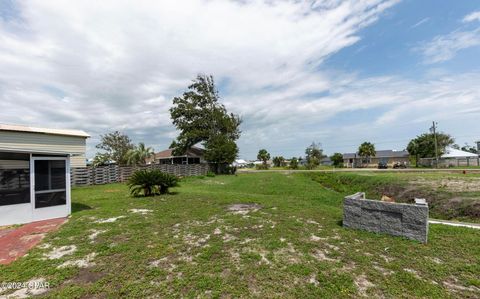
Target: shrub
[(210, 174), (294, 163), (151, 182), (261, 166), (337, 159)]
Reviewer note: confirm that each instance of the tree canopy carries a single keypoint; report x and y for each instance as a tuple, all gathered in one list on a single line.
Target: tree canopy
[(314, 154), (116, 146), (263, 155), (337, 159), (278, 161), (366, 150), (423, 146), (139, 154), (200, 117), (294, 163)]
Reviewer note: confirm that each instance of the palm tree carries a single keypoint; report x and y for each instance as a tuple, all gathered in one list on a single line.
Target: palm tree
[(264, 156), (139, 154), (366, 150)]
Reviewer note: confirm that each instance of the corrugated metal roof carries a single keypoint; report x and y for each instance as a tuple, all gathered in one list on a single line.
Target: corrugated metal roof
[(19, 128)]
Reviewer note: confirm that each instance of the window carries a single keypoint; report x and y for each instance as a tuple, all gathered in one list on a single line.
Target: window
[(14, 178)]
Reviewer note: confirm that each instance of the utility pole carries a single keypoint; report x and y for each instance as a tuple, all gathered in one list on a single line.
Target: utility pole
[(433, 129)]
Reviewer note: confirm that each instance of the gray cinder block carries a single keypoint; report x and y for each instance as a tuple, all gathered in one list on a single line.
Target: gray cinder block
[(397, 219)]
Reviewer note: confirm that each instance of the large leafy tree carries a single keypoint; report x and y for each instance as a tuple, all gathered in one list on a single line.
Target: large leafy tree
[(116, 146), (337, 159), (201, 118), (423, 146), (139, 154), (314, 154), (366, 150)]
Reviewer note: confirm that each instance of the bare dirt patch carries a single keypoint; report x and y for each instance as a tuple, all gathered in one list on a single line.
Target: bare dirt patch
[(313, 280), (196, 241), (363, 284), (321, 255), (86, 276), (94, 234), (86, 262), (436, 260), (385, 272), (109, 220), (450, 184), (348, 267), (453, 285), (141, 211), (289, 254), (59, 252), (244, 208), (316, 238)]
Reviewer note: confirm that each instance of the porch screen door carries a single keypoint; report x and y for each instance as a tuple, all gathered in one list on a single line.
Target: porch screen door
[(50, 187)]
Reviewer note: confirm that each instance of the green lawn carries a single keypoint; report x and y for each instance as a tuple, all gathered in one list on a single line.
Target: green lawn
[(188, 244)]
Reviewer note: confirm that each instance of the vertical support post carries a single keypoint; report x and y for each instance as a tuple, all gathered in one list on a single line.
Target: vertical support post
[(434, 131), (32, 184), (68, 185)]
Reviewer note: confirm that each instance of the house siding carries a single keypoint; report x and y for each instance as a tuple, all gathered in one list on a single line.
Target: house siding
[(45, 143)]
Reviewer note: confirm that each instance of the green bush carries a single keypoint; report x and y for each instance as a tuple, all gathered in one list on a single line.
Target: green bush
[(261, 166), (294, 163), (151, 182), (210, 174)]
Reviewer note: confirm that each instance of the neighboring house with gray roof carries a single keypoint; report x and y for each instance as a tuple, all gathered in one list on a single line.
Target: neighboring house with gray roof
[(194, 155), (352, 160)]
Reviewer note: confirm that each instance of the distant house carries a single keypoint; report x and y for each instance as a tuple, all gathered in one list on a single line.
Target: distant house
[(326, 161), (194, 155), (352, 160), (452, 158), (240, 163), (453, 153)]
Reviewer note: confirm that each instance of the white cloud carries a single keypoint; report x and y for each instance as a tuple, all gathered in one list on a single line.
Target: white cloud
[(445, 47), (474, 16), (422, 21), (107, 65)]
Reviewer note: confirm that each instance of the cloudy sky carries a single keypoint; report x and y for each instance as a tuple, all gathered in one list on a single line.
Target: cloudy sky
[(335, 72)]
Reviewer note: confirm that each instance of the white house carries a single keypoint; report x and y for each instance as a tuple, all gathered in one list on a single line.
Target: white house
[(456, 157), (240, 163), (452, 153), (35, 172)]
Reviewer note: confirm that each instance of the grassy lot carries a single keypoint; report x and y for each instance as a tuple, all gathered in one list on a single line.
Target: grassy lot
[(450, 195), (189, 244)]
